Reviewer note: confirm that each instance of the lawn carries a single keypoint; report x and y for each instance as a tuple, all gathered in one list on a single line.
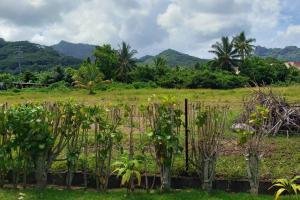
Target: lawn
[(55, 194)]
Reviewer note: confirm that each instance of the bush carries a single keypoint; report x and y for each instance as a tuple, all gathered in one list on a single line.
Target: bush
[(217, 80), (264, 71)]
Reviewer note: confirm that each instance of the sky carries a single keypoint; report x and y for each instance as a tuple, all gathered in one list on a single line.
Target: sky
[(150, 26)]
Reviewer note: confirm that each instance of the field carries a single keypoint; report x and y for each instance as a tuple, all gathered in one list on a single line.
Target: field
[(233, 97), (54, 194)]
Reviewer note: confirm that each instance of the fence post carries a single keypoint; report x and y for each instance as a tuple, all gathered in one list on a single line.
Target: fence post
[(186, 135)]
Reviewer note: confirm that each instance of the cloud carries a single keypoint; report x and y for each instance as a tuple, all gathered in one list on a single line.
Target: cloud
[(149, 26), (288, 37), (34, 12)]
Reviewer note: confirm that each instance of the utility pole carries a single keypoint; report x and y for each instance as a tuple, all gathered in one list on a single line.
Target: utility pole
[(19, 57)]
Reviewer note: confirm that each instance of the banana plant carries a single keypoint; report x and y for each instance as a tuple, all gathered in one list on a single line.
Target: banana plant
[(286, 185)]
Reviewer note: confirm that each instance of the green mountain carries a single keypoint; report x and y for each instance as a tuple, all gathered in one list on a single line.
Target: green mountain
[(33, 57), (289, 53), (173, 58), (81, 51)]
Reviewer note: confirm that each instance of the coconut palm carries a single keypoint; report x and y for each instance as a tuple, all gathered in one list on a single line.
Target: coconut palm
[(88, 76), (126, 61), (243, 45), (227, 57), (160, 62)]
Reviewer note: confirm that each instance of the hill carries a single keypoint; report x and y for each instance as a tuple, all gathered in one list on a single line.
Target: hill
[(34, 57), (289, 53), (173, 58), (81, 51)]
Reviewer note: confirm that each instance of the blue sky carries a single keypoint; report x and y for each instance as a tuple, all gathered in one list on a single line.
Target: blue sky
[(150, 26)]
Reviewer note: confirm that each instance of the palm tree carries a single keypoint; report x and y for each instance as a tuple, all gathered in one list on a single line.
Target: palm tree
[(88, 75), (227, 57), (126, 61), (160, 62), (243, 45)]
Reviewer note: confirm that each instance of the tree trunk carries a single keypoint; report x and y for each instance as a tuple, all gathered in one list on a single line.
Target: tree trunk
[(165, 178), (69, 178), (253, 171), (208, 174), (40, 172)]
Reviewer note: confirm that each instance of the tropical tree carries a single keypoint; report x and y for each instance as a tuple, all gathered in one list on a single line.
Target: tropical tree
[(106, 60), (160, 62), (88, 76), (126, 61), (243, 45), (227, 57)]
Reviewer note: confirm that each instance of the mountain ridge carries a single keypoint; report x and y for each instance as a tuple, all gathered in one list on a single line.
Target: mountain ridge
[(174, 58), (32, 56), (77, 50), (288, 53)]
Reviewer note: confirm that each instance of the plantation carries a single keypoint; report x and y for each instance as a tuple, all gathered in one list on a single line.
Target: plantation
[(99, 137)]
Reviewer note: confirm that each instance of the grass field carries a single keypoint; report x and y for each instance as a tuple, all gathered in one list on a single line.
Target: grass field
[(54, 194), (232, 97)]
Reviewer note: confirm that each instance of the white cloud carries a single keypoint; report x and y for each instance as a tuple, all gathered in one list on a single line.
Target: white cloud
[(288, 37), (150, 26)]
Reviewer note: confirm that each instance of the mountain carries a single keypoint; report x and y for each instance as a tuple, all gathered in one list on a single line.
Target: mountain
[(173, 58), (289, 53), (33, 57), (81, 51)]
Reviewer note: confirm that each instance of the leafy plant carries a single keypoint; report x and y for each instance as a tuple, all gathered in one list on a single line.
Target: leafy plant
[(207, 131), (286, 185), (129, 170), (251, 139), (165, 121)]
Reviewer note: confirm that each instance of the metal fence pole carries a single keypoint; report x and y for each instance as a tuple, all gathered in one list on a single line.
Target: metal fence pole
[(186, 135)]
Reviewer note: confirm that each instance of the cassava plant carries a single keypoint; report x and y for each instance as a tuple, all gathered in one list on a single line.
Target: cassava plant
[(251, 139), (75, 143), (165, 121), (4, 145), (41, 132), (106, 122), (207, 131)]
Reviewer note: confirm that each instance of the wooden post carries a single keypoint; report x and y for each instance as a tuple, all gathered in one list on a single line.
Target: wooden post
[(186, 135)]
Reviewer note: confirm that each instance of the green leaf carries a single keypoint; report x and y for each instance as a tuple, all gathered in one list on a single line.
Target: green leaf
[(278, 193)]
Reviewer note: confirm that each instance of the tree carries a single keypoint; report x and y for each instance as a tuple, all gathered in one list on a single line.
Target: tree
[(243, 45), (227, 57), (160, 62), (126, 61), (29, 77), (87, 76), (106, 60)]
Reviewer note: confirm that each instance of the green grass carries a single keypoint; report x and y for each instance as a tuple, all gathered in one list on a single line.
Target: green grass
[(232, 97), (55, 194)]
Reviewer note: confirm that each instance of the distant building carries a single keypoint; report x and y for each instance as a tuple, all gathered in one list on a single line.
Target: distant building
[(293, 64)]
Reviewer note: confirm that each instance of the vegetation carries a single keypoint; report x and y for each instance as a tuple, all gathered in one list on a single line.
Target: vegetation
[(286, 185), (234, 66), (227, 57), (35, 57)]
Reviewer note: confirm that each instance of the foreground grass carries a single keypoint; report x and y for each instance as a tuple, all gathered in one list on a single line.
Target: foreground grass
[(54, 194)]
